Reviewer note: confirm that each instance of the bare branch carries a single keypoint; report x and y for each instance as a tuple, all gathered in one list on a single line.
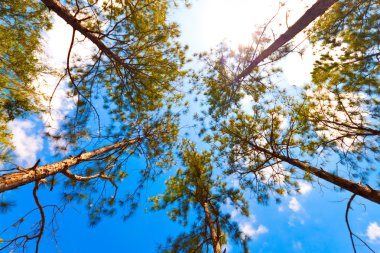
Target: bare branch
[(42, 213), (352, 235)]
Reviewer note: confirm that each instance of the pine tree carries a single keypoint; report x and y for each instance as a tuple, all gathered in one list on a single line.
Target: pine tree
[(197, 189), (124, 94), (22, 24), (335, 118)]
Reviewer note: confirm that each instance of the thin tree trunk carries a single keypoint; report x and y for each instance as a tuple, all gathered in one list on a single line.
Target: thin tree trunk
[(320, 7), (356, 188), (16, 179), (65, 14), (210, 223)]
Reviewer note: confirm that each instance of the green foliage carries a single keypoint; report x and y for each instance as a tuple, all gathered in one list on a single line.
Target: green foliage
[(191, 190), (130, 93), (336, 116), (21, 27), (340, 109), (265, 124), (223, 92), (143, 77), (155, 149), (133, 91)]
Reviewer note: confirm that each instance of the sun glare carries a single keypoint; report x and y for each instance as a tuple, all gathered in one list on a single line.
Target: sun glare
[(234, 20)]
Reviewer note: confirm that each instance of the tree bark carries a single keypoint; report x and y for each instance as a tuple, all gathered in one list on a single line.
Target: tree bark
[(210, 223), (356, 188), (65, 14), (320, 7), (19, 178)]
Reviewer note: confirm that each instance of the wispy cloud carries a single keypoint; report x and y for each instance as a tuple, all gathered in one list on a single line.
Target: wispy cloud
[(250, 232), (59, 104), (294, 205), (373, 232), (246, 224), (26, 140), (330, 104), (305, 188)]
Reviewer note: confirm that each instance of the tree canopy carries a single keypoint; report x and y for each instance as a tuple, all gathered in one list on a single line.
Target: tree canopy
[(337, 111), (21, 28), (197, 188), (259, 137)]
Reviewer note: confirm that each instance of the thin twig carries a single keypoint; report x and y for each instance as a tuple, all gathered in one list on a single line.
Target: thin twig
[(352, 235), (42, 226)]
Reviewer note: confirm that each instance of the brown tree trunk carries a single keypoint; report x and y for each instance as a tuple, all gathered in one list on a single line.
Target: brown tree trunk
[(210, 223), (19, 178), (320, 7), (356, 188), (65, 14)]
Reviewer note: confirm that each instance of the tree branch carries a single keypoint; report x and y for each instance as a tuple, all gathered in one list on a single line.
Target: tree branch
[(320, 7), (65, 14), (358, 189), (42, 213), (19, 178), (349, 227)]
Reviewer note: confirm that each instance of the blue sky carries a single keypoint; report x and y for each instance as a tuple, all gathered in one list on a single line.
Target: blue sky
[(312, 221)]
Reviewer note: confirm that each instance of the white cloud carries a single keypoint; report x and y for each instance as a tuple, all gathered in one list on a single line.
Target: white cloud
[(26, 140), (250, 232), (281, 209), (241, 219), (297, 68), (234, 213), (57, 41), (373, 231), (305, 188), (56, 46), (294, 220), (294, 205), (274, 174), (330, 105), (245, 223)]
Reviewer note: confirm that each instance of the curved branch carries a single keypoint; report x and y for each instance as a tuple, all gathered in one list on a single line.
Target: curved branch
[(349, 227), (42, 213), (73, 81), (76, 177)]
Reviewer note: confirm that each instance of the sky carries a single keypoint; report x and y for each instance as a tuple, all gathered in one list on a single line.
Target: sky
[(312, 221)]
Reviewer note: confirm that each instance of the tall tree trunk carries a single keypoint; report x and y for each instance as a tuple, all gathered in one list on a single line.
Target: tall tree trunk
[(356, 188), (320, 7), (210, 223), (19, 178)]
